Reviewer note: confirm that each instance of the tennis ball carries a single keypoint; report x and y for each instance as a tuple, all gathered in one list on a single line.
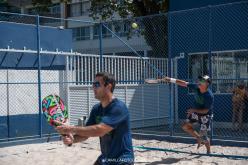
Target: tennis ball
[(134, 25)]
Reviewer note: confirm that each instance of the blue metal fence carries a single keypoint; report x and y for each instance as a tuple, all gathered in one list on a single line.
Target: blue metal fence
[(212, 42)]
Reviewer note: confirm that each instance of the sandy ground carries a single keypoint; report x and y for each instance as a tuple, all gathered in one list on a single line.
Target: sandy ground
[(55, 153)]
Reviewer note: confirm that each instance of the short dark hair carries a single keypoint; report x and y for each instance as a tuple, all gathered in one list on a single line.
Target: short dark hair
[(108, 78)]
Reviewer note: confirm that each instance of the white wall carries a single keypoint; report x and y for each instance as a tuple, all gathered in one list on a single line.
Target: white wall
[(23, 98)]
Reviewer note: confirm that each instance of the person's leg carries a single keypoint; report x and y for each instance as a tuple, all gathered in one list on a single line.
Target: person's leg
[(208, 145), (205, 140), (234, 117), (240, 116), (205, 127), (188, 127)]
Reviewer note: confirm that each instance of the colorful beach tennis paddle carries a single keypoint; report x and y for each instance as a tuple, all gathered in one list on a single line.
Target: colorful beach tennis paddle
[(54, 110)]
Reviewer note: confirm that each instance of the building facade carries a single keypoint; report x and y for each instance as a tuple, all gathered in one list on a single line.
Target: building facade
[(86, 35)]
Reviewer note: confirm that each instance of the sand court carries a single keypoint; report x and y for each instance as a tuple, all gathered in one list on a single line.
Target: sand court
[(56, 153)]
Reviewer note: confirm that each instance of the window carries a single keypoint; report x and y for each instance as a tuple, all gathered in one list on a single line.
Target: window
[(81, 33), (55, 9), (223, 72), (96, 31), (85, 7), (198, 65), (228, 69), (105, 32), (78, 9), (75, 9)]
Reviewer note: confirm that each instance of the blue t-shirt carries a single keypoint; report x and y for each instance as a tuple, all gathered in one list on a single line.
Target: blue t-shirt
[(202, 100), (116, 146)]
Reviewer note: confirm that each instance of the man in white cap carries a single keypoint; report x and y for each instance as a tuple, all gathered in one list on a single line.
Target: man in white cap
[(201, 110)]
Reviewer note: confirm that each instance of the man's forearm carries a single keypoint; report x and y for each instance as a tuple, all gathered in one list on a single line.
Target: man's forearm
[(175, 81), (89, 131), (181, 83)]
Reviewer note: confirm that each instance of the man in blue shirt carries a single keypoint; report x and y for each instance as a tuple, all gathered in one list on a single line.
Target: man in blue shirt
[(108, 120), (201, 110)]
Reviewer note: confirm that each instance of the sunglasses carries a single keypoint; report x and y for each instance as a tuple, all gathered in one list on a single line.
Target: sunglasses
[(96, 84)]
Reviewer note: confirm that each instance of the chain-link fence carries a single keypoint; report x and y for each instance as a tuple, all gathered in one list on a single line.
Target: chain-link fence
[(42, 55), (210, 41)]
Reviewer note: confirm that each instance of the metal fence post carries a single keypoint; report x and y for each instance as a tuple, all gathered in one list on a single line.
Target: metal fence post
[(210, 62), (8, 111), (100, 46), (169, 72), (39, 73)]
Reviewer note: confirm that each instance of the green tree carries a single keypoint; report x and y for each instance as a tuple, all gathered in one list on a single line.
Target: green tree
[(41, 6), (154, 28)]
